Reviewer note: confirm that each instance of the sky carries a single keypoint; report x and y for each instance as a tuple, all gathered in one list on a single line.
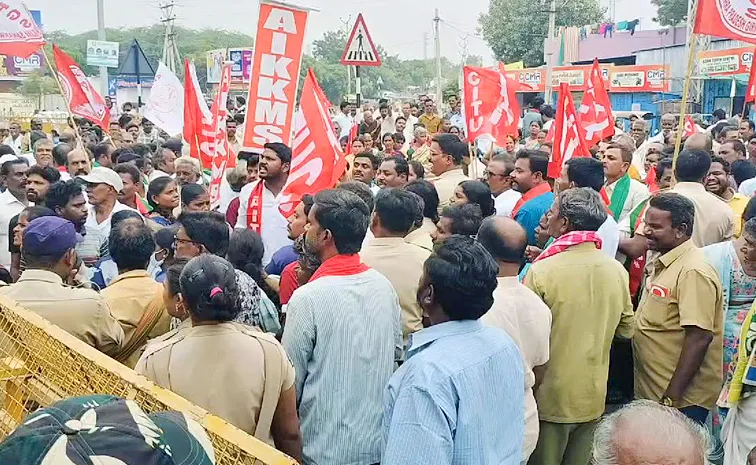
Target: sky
[(400, 26)]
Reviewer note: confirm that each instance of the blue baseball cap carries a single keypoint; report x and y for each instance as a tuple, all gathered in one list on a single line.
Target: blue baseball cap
[(50, 236)]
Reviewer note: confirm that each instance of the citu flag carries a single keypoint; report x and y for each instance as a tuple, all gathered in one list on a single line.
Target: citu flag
[(751, 90), (491, 108), (731, 19), (82, 98), (689, 127), (595, 112), (568, 137), (20, 35)]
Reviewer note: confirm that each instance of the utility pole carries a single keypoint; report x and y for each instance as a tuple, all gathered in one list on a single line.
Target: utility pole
[(101, 36), (347, 28), (439, 96), (425, 45), (550, 51), (170, 45)]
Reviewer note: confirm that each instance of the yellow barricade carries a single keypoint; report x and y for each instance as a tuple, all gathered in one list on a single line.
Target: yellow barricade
[(41, 364)]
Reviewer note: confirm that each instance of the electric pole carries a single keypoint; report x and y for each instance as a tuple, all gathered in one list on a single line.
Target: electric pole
[(439, 96), (101, 36), (347, 29), (170, 45), (550, 51), (425, 45)]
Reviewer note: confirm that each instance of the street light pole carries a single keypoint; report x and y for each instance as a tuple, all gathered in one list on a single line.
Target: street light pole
[(101, 36)]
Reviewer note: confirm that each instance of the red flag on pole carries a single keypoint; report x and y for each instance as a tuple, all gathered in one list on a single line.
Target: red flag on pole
[(491, 107), (20, 36), (751, 90), (317, 161), (82, 98), (568, 138), (689, 127), (198, 120), (726, 18), (218, 146), (595, 111)]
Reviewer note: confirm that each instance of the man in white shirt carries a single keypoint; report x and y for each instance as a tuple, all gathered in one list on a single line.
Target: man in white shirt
[(411, 119), (498, 174), (387, 120), (16, 140), (12, 201), (103, 186), (345, 118), (259, 201), (518, 311)]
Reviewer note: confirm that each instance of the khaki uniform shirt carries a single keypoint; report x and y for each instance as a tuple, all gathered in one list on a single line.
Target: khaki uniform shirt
[(219, 367), (402, 264), (81, 312), (445, 185), (585, 319), (431, 123), (129, 296), (422, 236), (681, 290)]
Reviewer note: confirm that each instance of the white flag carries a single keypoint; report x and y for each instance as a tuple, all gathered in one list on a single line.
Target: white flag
[(165, 106)]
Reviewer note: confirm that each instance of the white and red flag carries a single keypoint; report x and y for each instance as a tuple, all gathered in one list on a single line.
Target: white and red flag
[(751, 89), (82, 98), (568, 138), (317, 161), (689, 128), (595, 112), (20, 36), (198, 120), (217, 145), (733, 19), (491, 108)]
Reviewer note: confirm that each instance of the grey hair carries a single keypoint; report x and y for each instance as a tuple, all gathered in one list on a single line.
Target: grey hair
[(583, 208), (420, 132), (654, 422), (44, 141), (750, 227)]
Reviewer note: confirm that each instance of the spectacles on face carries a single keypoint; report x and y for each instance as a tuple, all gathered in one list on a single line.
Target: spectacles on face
[(489, 174), (177, 240)]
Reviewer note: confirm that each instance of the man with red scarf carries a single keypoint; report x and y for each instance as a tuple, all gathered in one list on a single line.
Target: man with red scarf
[(529, 179), (259, 201), (586, 318), (343, 335)]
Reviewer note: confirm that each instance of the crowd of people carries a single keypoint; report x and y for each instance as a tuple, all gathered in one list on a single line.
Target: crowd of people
[(446, 302)]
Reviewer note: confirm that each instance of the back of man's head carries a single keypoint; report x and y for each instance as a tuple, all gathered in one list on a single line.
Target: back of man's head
[(504, 239), (586, 172), (464, 219), (60, 154), (361, 190), (208, 229), (131, 245), (452, 146), (692, 165), (397, 210), (699, 141), (345, 215), (583, 208)]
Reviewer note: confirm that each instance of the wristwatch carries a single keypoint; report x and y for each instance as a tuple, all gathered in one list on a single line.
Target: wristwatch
[(667, 401)]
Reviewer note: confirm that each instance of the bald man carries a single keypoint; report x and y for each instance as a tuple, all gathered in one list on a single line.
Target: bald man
[(518, 311), (699, 141), (647, 432), (78, 163)]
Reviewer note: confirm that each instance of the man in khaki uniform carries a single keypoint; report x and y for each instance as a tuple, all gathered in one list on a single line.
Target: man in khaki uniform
[(134, 297), (447, 153), (402, 263), (49, 249), (678, 338)]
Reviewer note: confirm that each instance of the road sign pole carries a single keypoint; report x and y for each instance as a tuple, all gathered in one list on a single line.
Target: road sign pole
[(358, 86)]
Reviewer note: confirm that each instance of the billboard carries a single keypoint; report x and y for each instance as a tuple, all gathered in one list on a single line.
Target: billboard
[(632, 78), (15, 68), (215, 59), (101, 53), (241, 64), (729, 62)]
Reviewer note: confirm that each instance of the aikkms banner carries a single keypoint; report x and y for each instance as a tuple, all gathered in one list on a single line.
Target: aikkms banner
[(82, 98)]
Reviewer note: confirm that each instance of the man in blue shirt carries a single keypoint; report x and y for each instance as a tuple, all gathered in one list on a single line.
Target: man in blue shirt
[(458, 399), (529, 179)]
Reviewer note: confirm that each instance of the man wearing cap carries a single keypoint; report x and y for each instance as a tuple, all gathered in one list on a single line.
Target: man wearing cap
[(50, 254), (103, 186)]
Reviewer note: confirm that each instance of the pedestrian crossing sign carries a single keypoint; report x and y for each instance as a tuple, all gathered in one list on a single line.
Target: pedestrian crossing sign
[(360, 49)]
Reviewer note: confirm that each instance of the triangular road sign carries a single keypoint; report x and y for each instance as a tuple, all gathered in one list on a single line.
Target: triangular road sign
[(360, 49)]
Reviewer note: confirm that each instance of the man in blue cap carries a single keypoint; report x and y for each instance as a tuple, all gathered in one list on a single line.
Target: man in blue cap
[(48, 247)]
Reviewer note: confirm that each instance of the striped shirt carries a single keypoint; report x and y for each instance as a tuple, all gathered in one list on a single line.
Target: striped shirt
[(457, 400), (343, 335)]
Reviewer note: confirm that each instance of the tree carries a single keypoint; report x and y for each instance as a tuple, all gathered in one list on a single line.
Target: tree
[(516, 29), (36, 85), (671, 12)]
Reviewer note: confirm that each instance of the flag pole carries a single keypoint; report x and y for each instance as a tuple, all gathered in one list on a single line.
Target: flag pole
[(79, 143), (685, 94)]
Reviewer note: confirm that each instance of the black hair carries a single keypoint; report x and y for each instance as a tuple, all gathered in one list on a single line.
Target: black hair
[(131, 245), (62, 192), (737, 146), (191, 192), (399, 138), (664, 164), (131, 170), (374, 161), (127, 157), (251, 158), (463, 275), (47, 173), (547, 111), (124, 120), (165, 237), (452, 146), (418, 168), (397, 210), (123, 215), (428, 193), (36, 211), (465, 219), (173, 276), (742, 170), (725, 164), (174, 145), (6, 150), (398, 118), (117, 153), (536, 102), (346, 215), (60, 154), (208, 229), (157, 186), (680, 208), (343, 104), (6, 167), (750, 209), (361, 190), (209, 287), (34, 136), (400, 165), (388, 134), (141, 149), (538, 161), (478, 193), (692, 165), (282, 151), (99, 150), (245, 253), (239, 117), (751, 124), (586, 172), (501, 249), (308, 201), (719, 114)]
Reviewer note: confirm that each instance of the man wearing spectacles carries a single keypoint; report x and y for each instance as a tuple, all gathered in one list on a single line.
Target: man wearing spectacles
[(499, 178)]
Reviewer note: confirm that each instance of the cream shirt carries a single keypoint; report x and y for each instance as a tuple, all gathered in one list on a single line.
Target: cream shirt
[(445, 185)]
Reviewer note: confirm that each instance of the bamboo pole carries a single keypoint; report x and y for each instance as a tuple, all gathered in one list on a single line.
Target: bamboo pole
[(79, 142), (685, 94)]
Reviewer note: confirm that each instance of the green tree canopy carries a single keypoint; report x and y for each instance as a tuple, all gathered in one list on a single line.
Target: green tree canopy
[(670, 12), (516, 29)]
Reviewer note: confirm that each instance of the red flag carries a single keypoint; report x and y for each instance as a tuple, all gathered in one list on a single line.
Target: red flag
[(218, 146), (198, 120), (550, 133), (595, 111), (317, 161), (726, 18), (751, 90), (491, 107), (82, 98), (20, 36), (689, 128), (653, 186), (353, 134), (568, 140)]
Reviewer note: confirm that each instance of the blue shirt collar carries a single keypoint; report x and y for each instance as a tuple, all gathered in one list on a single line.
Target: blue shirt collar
[(420, 339)]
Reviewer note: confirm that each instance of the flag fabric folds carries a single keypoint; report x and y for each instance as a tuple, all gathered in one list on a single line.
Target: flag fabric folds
[(82, 98), (491, 108), (568, 138), (165, 106), (20, 36), (595, 112), (725, 18), (217, 143)]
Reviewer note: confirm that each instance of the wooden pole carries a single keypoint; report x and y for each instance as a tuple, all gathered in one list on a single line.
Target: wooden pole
[(685, 94), (79, 142)]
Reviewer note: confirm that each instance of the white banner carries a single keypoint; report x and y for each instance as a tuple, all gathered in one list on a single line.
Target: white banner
[(165, 106)]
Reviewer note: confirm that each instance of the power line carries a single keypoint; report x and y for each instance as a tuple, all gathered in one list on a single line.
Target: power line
[(170, 43)]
